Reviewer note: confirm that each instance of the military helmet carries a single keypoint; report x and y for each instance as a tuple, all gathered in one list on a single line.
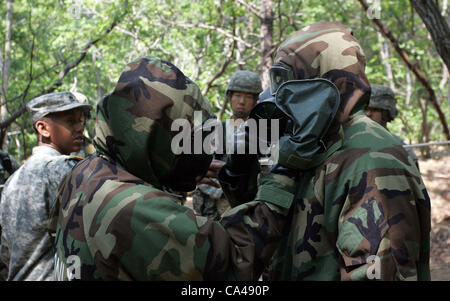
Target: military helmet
[(383, 98), (245, 81)]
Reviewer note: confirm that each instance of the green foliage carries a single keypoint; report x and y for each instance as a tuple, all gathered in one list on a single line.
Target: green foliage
[(197, 36)]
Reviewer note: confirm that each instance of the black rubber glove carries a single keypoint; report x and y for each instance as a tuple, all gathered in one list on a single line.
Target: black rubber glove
[(238, 165), (238, 177)]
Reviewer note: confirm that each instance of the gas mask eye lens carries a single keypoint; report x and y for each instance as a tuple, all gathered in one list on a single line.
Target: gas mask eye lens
[(279, 74)]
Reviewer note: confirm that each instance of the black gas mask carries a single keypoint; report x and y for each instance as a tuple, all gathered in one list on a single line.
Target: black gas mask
[(305, 109), (192, 167)]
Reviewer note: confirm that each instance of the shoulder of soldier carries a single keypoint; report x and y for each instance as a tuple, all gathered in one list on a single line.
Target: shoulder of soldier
[(367, 147), (62, 164), (79, 158), (118, 179), (399, 139), (366, 133), (135, 203), (65, 159)]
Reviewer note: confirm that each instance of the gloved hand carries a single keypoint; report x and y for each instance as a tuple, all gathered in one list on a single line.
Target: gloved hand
[(238, 165), (238, 178), (212, 173)]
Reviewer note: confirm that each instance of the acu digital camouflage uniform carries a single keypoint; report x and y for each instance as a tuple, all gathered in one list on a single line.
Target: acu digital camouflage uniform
[(383, 98), (25, 248), (368, 197), (114, 212), (7, 166)]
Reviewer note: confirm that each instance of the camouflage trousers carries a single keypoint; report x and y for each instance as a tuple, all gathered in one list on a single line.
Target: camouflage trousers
[(205, 205)]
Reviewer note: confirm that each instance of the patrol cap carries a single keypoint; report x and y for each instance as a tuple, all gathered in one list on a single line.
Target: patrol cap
[(55, 102)]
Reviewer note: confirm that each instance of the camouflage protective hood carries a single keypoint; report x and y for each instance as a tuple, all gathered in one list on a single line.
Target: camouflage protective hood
[(133, 126), (328, 50)]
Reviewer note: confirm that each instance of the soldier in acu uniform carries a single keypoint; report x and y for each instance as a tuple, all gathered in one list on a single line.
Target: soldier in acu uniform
[(382, 109), (242, 93), (26, 248), (116, 212), (8, 165)]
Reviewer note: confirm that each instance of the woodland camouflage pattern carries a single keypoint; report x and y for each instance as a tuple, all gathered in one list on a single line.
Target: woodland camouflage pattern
[(367, 198), (383, 98), (408, 150), (113, 212)]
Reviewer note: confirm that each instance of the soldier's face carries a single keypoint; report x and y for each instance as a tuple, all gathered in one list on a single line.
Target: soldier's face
[(66, 130), (242, 103), (375, 114)]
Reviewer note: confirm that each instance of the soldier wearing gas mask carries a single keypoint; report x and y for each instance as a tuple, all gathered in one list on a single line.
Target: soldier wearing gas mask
[(116, 214), (361, 209)]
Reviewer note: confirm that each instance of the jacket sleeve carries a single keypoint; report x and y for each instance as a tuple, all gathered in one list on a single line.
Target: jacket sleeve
[(250, 232), (384, 225), (145, 235)]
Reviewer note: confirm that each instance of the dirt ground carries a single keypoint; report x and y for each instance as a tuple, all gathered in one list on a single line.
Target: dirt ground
[(436, 175)]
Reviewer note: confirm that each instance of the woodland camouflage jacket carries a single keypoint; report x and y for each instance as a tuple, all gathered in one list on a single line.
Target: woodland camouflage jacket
[(114, 214), (367, 198)]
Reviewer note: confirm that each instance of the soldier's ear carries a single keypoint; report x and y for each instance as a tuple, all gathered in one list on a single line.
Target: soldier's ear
[(43, 128)]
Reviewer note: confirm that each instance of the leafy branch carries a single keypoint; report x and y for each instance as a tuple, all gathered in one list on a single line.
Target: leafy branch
[(413, 67), (66, 69)]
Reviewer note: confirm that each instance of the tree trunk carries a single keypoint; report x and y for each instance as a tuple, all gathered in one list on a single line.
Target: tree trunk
[(409, 85), (425, 132), (384, 53), (5, 74), (100, 91), (19, 149), (266, 40), (413, 68), (240, 49), (436, 25)]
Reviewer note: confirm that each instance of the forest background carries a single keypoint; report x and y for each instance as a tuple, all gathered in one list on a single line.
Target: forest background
[(83, 46)]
